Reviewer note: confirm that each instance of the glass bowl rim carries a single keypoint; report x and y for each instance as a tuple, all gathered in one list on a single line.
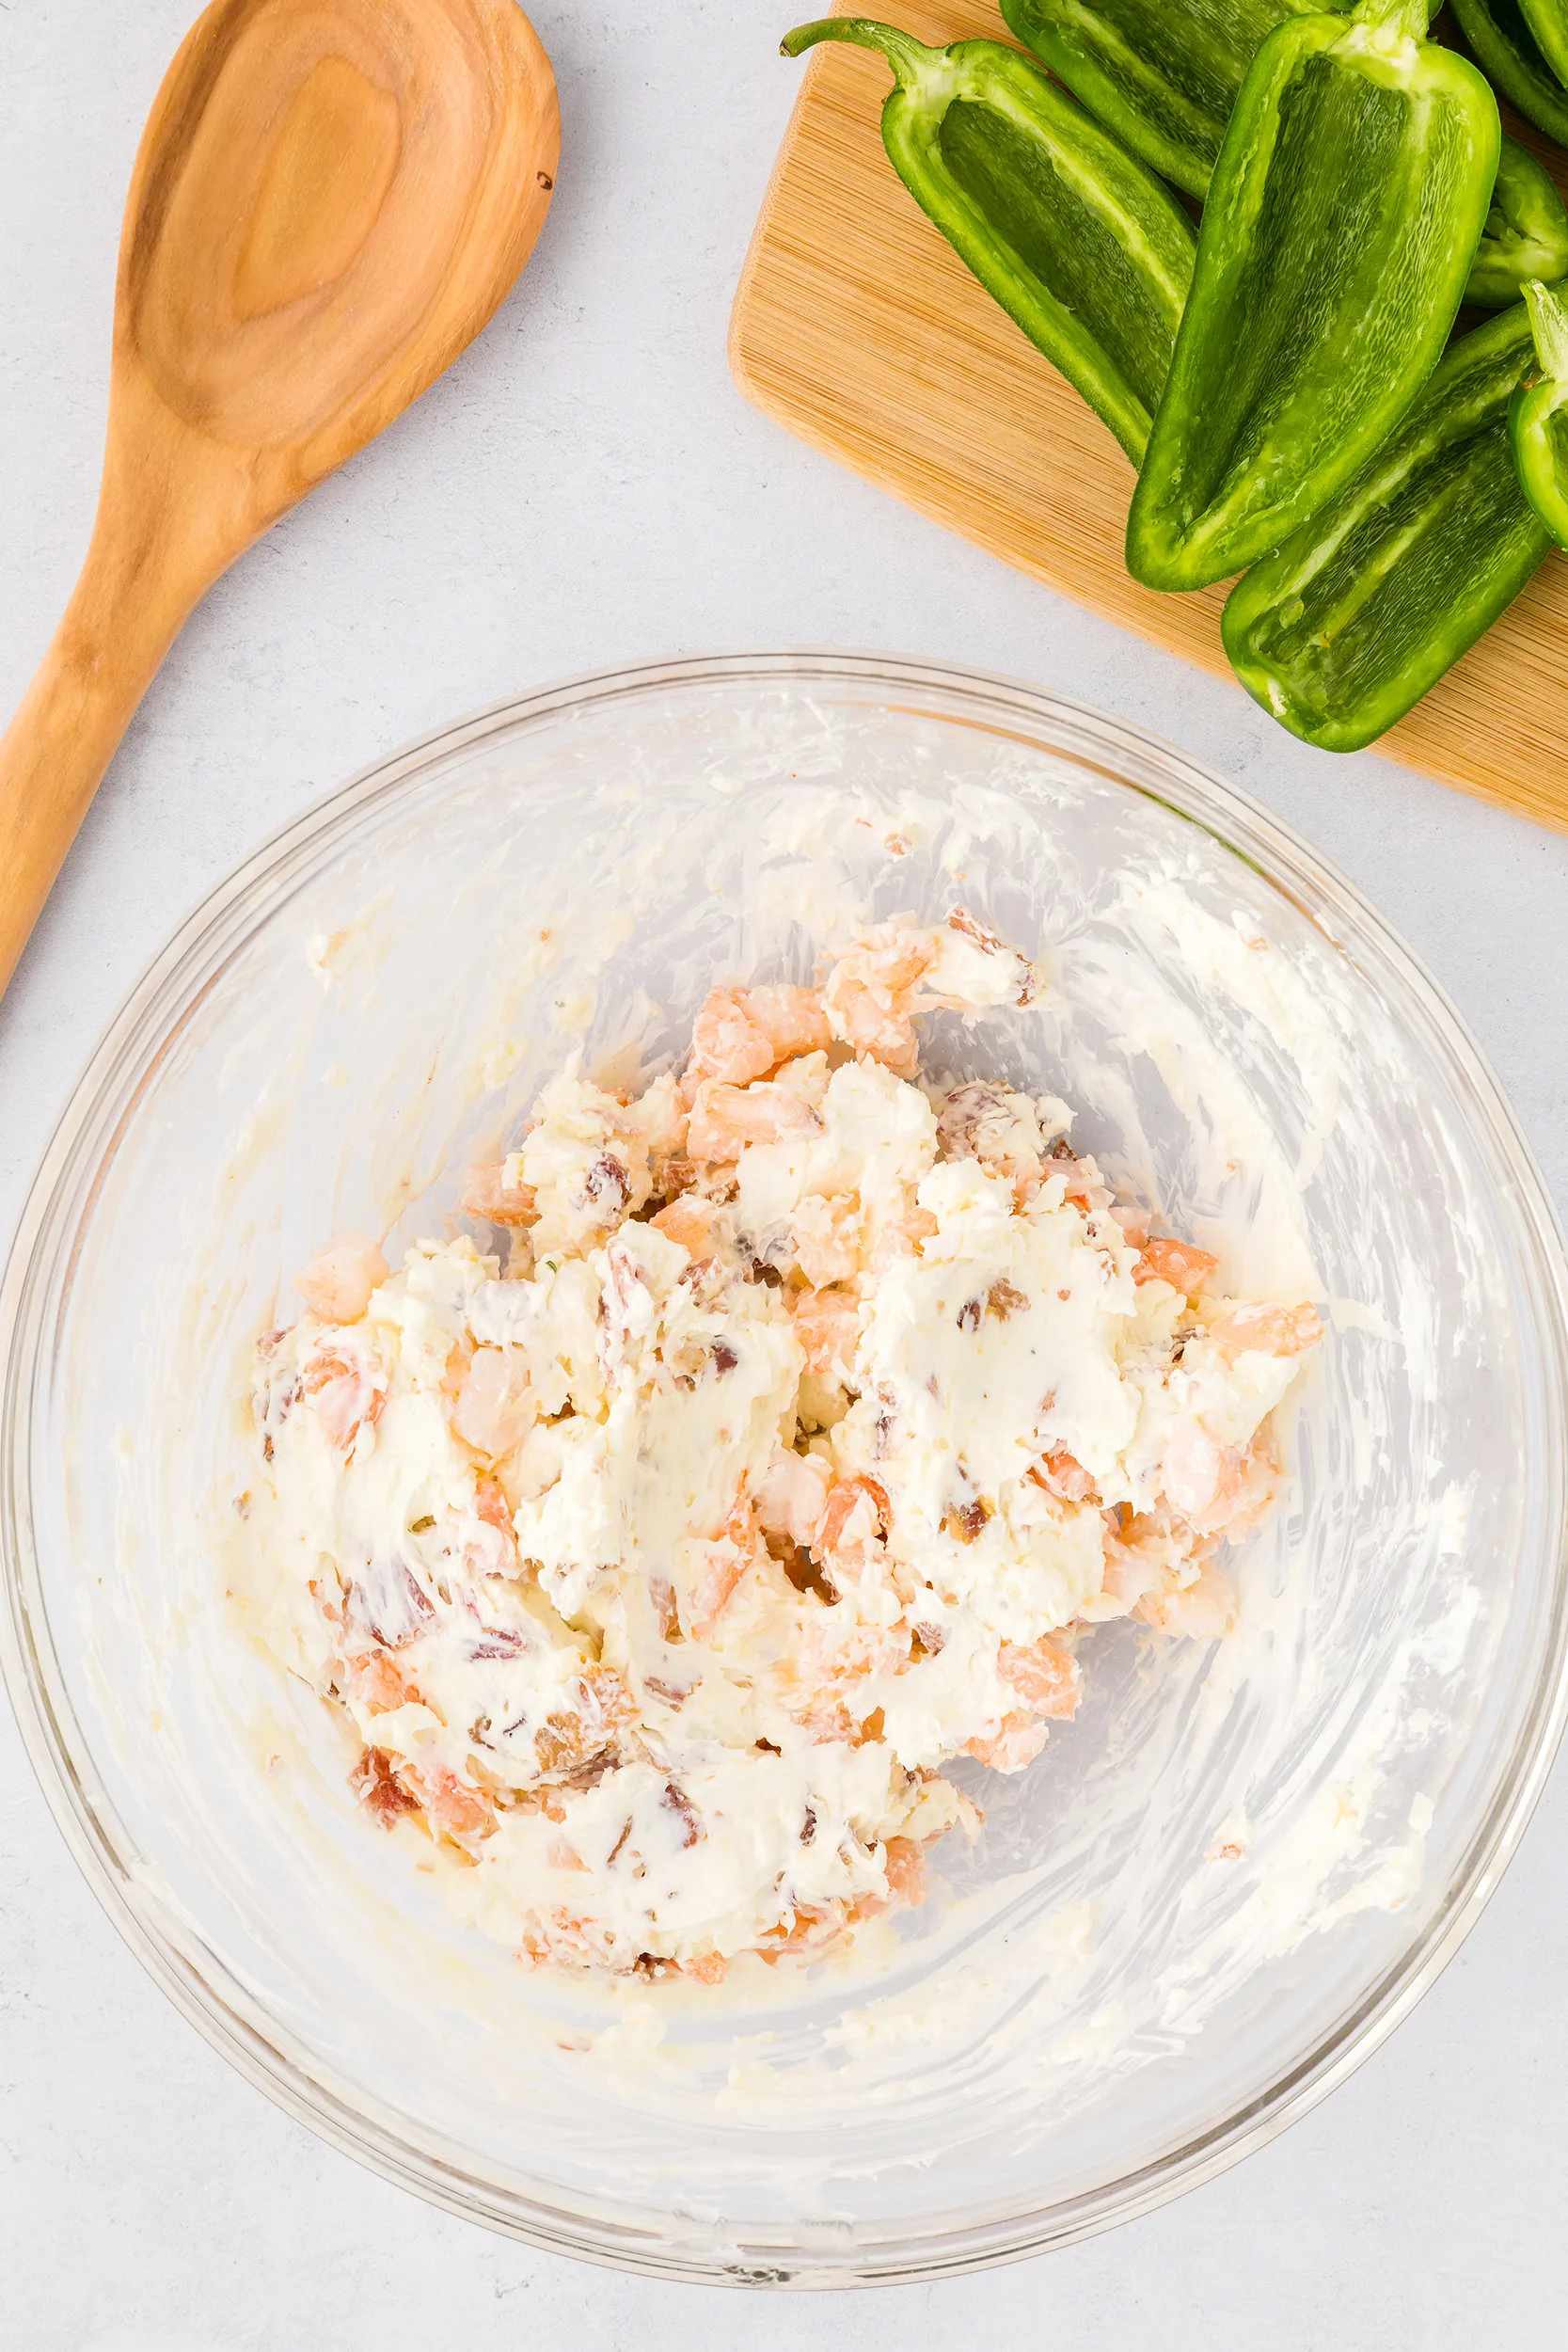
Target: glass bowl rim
[(143, 1026)]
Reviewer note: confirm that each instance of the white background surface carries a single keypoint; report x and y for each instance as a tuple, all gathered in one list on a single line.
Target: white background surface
[(587, 487)]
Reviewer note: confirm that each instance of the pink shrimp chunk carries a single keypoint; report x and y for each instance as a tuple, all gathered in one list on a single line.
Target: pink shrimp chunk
[(500, 1199), (494, 1408), (727, 1042), (726, 1119), (337, 1283), (1255, 1325), (1205, 1611), (869, 995), (828, 1325), (792, 1019), (1045, 1678), (1015, 1743), (791, 1497), (1178, 1262)]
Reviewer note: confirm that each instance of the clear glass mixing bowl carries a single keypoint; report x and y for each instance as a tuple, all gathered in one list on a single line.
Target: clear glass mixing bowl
[(1220, 1887)]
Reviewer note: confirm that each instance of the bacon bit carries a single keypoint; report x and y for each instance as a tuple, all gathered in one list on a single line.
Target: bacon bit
[(1003, 1300), (605, 1707), (1045, 1678), (388, 1604), (707, 1967), (1178, 1262), (1065, 1477), (606, 1183), (675, 1800), (971, 1314), (966, 1521), (808, 1827), (376, 1682), (661, 1595), (1015, 1743), (724, 1358), (377, 1786), (488, 1195), (931, 1639)]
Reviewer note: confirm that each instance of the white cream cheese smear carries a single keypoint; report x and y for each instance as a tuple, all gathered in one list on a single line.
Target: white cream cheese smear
[(813, 1416)]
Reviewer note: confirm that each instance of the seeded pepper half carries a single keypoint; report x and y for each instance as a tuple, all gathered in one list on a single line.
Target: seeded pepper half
[(1362, 611), (1527, 232), (1076, 241), (1503, 46), (1538, 415), (1344, 212), (1162, 74)]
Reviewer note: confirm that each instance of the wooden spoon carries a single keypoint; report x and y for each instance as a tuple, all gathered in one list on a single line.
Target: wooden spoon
[(330, 200)]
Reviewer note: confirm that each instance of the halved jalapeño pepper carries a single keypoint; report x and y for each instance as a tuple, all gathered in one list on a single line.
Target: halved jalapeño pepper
[(1501, 43), (1162, 74), (1360, 613), (1547, 21), (1078, 243), (1348, 201), (1527, 232), (1538, 414), (1165, 74)]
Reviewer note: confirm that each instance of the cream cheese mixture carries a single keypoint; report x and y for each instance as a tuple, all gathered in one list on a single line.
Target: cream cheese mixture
[(805, 1420)]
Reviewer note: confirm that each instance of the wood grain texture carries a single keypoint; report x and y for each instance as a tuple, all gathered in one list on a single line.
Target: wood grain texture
[(858, 326), (330, 200)]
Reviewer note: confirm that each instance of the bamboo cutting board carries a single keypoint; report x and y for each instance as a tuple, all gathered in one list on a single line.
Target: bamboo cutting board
[(858, 326)]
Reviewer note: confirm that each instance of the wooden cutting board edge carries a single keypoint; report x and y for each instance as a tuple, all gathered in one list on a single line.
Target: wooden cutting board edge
[(1487, 729)]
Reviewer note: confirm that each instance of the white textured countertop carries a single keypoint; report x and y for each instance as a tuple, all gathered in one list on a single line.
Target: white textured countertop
[(588, 486)]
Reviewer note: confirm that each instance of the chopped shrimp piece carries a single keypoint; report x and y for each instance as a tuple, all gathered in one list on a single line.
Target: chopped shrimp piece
[(337, 1283), (727, 1561), (726, 1118), (376, 1682), (905, 1863), (1045, 1678), (1178, 1262), (1016, 1743), (689, 1220), (792, 1019), (902, 1238), (1255, 1324), (448, 1803), (348, 1386), (856, 1515), (1205, 1611), (1062, 1475), (496, 1192), (869, 994), (496, 1408), (828, 1325), (707, 1967), (1198, 1475), (791, 1497), (826, 1233), (728, 1043)]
